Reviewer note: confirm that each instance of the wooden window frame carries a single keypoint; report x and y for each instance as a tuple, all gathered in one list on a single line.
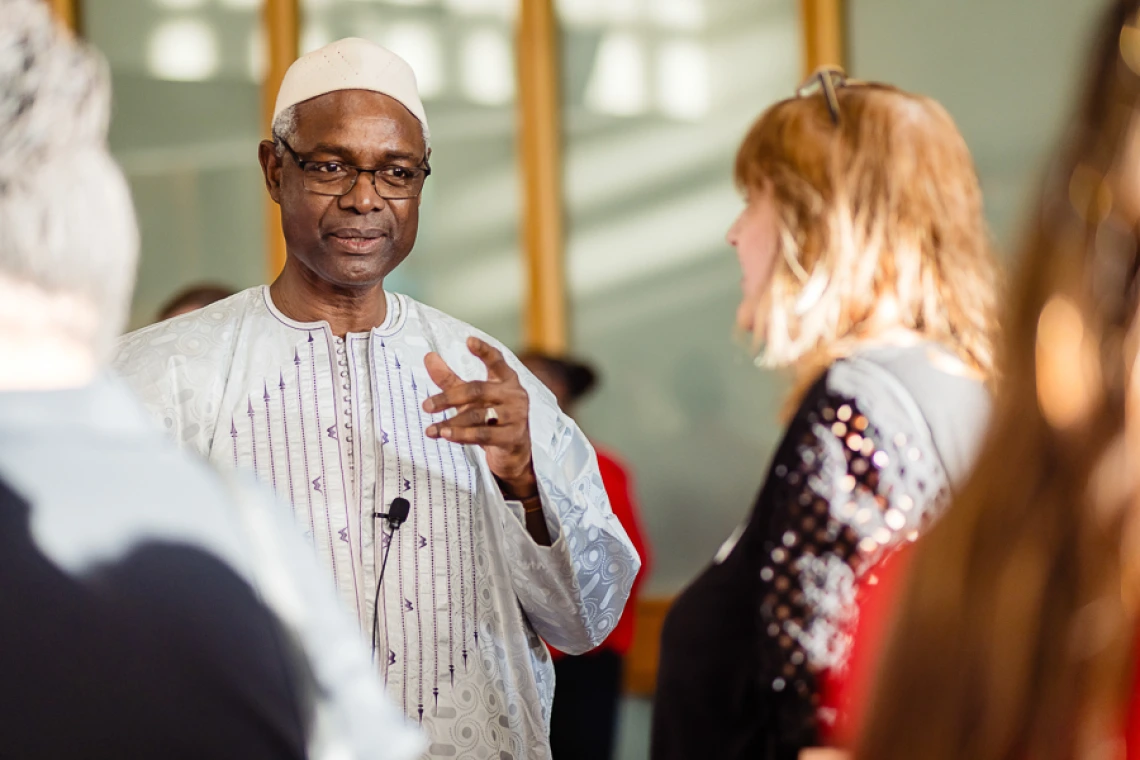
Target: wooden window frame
[(823, 33), (546, 325)]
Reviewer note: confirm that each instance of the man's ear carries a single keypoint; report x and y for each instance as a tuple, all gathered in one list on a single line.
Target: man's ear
[(270, 168), (427, 160)]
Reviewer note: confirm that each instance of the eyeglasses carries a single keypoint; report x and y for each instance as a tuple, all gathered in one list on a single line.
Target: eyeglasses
[(392, 182), (828, 79)]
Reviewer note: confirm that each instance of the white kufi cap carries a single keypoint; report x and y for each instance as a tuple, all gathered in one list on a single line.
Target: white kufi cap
[(351, 64)]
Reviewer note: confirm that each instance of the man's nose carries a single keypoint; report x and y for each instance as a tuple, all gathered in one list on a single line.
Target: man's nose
[(363, 197)]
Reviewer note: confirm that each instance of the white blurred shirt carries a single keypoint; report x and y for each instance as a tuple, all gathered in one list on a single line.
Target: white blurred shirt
[(102, 482)]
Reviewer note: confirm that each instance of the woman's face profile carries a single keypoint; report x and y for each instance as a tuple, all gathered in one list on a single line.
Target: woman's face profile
[(755, 237)]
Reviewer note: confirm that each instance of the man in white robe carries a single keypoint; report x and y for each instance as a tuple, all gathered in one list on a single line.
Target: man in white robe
[(343, 396), (150, 606)]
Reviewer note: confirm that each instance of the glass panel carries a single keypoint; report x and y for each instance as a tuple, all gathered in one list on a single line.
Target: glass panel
[(186, 125), (1030, 62), (466, 261), (658, 94)]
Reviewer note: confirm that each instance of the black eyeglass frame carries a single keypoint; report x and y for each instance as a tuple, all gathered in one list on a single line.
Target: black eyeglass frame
[(303, 162)]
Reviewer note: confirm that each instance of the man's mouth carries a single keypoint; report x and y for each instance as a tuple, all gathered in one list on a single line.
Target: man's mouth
[(354, 240)]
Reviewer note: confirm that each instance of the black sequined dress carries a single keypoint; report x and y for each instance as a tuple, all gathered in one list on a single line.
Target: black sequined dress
[(865, 466)]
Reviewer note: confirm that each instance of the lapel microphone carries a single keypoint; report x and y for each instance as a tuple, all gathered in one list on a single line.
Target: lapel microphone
[(396, 515), (397, 512)]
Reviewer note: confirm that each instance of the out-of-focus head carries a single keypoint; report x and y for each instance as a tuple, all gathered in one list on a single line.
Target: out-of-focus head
[(1073, 334), (568, 379), (1018, 635), (193, 298), (860, 194), (350, 104), (68, 241)]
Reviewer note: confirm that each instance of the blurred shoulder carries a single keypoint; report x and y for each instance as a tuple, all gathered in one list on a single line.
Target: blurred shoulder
[(201, 334)]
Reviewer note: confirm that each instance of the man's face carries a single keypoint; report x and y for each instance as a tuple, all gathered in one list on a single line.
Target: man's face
[(353, 240)]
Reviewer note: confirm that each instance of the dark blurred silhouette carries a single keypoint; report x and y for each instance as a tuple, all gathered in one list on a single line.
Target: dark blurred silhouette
[(169, 650), (193, 298), (588, 687)]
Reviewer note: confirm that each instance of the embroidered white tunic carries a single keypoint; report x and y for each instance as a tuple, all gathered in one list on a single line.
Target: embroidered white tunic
[(336, 427)]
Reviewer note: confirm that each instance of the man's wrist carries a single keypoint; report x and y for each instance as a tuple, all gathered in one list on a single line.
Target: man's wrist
[(532, 504), (525, 489), (522, 488)]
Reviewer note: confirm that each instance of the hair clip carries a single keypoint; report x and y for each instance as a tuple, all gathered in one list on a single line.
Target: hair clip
[(829, 79)]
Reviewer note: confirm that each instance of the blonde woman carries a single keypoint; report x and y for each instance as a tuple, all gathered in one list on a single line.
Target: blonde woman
[(866, 272)]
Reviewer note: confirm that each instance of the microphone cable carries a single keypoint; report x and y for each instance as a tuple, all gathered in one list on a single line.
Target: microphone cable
[(396, 515)]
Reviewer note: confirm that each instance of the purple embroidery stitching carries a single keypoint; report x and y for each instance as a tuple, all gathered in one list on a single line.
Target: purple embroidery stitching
[(416, 555), (321, 450), (381, 504), (400, 555), (253, 437), (357, 445), (424, 544), (288, 456), (269, 438), (447, 552), (305, 448), (471, 528)]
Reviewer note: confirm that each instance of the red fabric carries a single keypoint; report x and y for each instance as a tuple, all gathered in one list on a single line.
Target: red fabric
[(619, 487), (1132, 719), (847, 692)]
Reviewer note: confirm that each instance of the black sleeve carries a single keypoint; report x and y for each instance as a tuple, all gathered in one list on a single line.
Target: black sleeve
[(853, 480)]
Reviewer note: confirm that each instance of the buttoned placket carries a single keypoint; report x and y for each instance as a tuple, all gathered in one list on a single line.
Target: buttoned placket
[(346, 396)]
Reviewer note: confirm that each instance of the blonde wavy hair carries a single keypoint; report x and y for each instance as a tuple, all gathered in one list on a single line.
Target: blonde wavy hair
[(876, 195)]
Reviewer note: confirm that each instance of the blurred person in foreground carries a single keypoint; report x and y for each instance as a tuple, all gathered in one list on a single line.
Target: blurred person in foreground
[(584, 719), (344, 396), (867, 272), (1016, 636), (149, 608), (192, 298)]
